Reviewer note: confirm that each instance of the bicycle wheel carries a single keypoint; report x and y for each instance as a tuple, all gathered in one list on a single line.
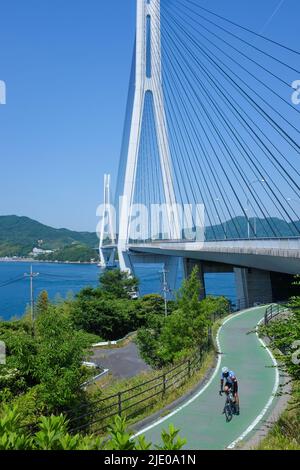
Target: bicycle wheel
[(228, 412)]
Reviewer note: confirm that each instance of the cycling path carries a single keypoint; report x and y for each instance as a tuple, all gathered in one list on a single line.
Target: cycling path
[(200, 419)]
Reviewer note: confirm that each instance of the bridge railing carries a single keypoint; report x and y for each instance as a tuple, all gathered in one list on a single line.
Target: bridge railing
[(232, 239), (243, 303), (272, 311)]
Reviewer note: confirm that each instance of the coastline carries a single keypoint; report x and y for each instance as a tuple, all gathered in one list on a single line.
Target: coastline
[(33, 260)]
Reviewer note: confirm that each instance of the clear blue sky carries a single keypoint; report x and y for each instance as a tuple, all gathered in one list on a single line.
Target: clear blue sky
[(66, 64)]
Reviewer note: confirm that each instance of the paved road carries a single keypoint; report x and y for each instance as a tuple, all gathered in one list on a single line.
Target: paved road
[(121, 362), (200, 420)]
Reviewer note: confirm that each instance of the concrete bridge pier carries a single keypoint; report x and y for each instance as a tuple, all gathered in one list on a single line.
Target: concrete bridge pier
[(170, 265), (253, 286)]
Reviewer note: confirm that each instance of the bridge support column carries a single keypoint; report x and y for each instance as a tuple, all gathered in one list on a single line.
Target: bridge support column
[(126, 262), (252, 286), (171, 265), (188, 266)]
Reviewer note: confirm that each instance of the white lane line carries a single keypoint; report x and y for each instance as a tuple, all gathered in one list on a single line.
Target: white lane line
[(177, 410), (266, 408)]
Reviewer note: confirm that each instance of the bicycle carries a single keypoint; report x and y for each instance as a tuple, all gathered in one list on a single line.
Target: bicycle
[(230, 406)]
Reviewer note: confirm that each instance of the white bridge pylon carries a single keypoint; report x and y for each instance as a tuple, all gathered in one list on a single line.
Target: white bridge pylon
[(148, 23), (107, 256)]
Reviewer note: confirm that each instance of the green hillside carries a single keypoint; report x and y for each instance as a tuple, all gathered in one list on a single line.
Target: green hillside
[(19, 235), (264, 228)]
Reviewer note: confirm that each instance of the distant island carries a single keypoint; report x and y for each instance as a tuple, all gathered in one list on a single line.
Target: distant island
[(22, 237)]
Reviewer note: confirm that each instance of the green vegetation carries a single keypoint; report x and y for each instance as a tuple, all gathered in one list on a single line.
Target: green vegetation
[(151, 393), (52, 434), (285, 434), (73, 254), (109, 310), (118, 284), (238, 227), (19, 235), (284, 334), (41, 383), (165, 340), (43, 371)]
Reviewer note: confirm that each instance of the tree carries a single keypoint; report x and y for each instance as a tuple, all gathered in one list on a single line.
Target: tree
[(147, 341), (48, 363), (111, 317), (166, 340), (58, 363), (108, 317), (119, 284), (187, 299), (42, 303), (285, 336), (152, 304), (16, 376)]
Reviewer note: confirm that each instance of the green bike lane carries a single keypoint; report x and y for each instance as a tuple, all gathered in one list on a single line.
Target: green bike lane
[(200, 419)]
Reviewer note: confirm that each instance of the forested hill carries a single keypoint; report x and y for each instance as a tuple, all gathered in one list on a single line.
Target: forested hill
[(19, 235), (264, 228)]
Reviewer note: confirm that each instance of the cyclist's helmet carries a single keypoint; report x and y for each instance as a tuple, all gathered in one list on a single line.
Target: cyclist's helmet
[(225, 371)]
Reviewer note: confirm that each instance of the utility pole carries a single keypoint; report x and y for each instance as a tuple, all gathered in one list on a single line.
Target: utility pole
[(166, 290), (31, 276)]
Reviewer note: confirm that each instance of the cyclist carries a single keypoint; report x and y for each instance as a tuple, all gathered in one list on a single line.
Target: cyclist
[(231, 383)]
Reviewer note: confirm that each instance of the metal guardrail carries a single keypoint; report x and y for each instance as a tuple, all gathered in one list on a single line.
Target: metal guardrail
[(182, 240), (273, 311), (95, 417), (113, 343), (243, 303)]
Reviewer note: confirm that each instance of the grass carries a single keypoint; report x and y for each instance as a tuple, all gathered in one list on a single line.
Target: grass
[(139, 411), (285, 434), (111, 387), (178, 392)]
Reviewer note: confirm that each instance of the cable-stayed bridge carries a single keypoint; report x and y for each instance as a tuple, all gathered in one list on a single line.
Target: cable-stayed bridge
[(210, 161)]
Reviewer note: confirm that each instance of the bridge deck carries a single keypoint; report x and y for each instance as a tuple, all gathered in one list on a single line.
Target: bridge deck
[(279, 255)]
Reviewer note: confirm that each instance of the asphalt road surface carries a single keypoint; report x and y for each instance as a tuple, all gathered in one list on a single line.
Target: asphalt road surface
[(121, 362)]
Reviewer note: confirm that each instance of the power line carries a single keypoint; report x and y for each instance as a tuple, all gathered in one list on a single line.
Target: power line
[(12, 281)]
